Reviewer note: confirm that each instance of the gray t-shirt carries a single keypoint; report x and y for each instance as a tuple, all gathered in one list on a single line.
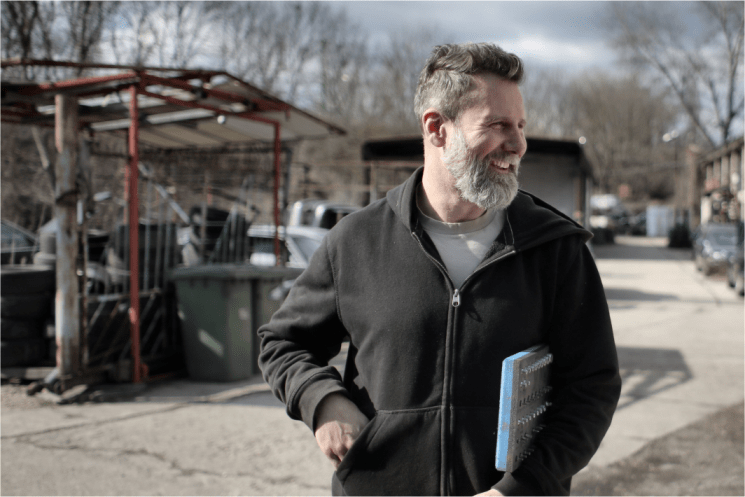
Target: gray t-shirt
[(462, 246)]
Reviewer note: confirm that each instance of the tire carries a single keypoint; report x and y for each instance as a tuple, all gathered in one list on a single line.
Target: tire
[(740, 284), (34, 306), (14, 329), (25, 280), (26, 352)]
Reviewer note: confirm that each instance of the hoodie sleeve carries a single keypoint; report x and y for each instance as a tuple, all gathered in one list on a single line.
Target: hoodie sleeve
[(585, 379), (300, 339)]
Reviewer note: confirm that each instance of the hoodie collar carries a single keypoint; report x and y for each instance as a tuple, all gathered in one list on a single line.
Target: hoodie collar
[(530, 220)]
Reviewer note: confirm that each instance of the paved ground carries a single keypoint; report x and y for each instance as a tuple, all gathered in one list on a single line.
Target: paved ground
[(678, 430)]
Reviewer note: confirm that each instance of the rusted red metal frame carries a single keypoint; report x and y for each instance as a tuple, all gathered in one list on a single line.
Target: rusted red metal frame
[(134, 234), (216, 110), (35, 89), (148, 79), (139, 369), (259, 104), (191, 73)]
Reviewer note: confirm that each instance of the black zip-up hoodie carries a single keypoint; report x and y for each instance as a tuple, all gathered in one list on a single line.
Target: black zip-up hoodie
[(425, 358)]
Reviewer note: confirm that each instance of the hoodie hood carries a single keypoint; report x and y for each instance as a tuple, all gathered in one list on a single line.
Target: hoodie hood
[(531, 220)]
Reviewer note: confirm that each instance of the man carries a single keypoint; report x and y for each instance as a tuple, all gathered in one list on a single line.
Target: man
[(434, 286)]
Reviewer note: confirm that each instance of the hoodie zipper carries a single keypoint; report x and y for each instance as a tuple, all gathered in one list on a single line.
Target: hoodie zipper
[(455, 301)]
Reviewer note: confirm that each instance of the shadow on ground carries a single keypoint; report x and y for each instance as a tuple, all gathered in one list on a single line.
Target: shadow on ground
[(647, 372), (703, 458), (638, 248), (630, 294)]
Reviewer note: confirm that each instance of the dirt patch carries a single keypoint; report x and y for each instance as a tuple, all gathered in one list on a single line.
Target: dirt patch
[(704, 458)]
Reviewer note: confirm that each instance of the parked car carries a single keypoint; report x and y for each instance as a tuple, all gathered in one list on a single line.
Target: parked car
[(638, 224), (735, 265), (713, 246), (297, 244), (603, 228), (18, 244), (318, 213)]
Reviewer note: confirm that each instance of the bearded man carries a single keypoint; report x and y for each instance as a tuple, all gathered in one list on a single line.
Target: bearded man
[(433, 287)]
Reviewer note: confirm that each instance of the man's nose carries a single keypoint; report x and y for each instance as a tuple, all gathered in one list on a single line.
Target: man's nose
[(516, 143)]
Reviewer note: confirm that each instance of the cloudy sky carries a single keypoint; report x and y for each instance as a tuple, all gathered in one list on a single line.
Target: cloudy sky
[(546, 33)]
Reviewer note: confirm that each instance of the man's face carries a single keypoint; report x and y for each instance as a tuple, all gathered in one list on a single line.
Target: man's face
[(487, 142)]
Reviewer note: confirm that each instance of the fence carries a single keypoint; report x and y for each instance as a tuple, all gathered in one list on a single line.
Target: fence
[(168, 237)]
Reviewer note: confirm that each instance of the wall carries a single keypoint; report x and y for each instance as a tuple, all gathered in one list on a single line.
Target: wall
[(551, 178)]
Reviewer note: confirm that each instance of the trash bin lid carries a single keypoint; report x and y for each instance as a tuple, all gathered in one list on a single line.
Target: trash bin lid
[(233, 271)]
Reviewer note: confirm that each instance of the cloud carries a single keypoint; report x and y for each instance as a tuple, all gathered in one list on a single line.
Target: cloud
[(557, 51)]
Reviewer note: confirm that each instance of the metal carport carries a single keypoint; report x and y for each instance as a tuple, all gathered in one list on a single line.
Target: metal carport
[(161, 107)]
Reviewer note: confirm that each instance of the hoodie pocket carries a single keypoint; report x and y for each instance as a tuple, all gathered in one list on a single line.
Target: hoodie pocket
[(397, 453)]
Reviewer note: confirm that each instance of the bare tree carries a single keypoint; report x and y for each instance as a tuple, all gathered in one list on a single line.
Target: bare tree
[(26, 33), (623, 122), (186, 28), (549, 113), (343, 60), (84, 24), (393, 77), (273, 44), (133, 36), (704, 69)]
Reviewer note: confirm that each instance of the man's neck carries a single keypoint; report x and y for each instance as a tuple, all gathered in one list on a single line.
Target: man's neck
[(441, 199)]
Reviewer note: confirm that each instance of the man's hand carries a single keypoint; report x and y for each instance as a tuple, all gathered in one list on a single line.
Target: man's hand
[(491, 491), (338, 424)]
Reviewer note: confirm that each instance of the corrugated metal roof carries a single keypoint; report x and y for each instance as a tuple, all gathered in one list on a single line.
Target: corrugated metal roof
[(181, 108)]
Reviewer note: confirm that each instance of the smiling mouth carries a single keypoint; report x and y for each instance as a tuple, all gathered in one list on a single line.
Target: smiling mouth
[(502, 166)]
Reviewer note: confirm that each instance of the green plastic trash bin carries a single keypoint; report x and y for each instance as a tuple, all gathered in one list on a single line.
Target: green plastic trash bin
[(221, 307)]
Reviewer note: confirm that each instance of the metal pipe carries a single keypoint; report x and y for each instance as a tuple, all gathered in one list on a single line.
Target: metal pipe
[(217, 110), (33, 89), (260, 104), (148, 202), (277, 176), (67, 311), (134, 232), (159, 244)]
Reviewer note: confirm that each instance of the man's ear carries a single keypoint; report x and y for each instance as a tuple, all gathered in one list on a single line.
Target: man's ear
[(432, 125)]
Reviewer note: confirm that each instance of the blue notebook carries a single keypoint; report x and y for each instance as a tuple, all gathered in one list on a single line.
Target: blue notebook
[(523, 402)]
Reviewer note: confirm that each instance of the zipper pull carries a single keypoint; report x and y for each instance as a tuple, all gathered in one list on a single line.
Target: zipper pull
[(456, 298)]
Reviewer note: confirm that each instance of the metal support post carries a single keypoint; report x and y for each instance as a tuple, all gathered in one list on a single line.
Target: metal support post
[(134, 232), (277, 176), (67, 311)]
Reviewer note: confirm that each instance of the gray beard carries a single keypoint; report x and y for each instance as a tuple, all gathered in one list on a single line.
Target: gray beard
[(475, 180)]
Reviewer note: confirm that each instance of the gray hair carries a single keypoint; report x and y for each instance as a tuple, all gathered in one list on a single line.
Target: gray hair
[(447, 75)]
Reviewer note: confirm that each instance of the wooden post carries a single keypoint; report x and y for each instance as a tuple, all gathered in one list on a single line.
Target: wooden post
[(67, 312)]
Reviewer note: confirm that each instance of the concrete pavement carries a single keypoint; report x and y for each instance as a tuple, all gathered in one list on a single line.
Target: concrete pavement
[(680, 339), (680, 342)]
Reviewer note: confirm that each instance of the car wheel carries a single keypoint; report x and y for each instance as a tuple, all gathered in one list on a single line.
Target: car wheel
[(730, 277), (740, 284)]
